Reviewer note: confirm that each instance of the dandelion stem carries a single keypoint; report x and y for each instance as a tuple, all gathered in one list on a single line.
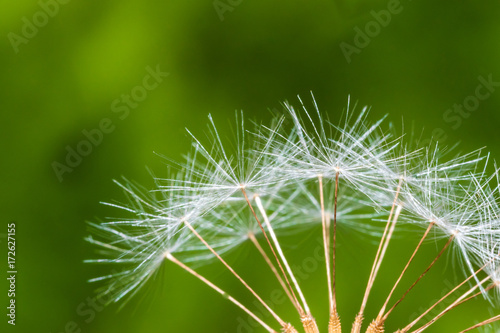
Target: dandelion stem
[(334, 325), (420, 277), (384, 242), (486, 322), (491, 286), (381, 313), (459, 301), (280, 251), (254, 240), (409, 326), (282, 323), (334, 250), (326, 243), (334, 322), (307, 320), (296, 302), (389, 236), (174, 260)]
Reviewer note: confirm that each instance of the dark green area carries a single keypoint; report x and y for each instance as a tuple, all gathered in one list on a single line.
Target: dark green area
[(68, 72)]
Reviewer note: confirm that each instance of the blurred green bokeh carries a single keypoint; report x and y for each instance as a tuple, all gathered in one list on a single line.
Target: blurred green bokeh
[(63, 77)]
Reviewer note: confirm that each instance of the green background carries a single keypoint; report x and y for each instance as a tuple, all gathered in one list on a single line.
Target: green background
[(253, 56)]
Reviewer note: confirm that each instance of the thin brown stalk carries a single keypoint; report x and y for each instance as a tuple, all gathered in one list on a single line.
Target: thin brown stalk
[(334, 250), (301, 310), (282, 323), (389, 237), (491, 286), (420, 277), (356, 327), (377, 326), (382, 310), (459, 301), (486, 322), (409, 326), (255, 242), (307, 320), (334, 325), (174, 260), (326, 242)]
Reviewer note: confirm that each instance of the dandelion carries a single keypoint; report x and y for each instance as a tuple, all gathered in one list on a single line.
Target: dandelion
[(276, 180)]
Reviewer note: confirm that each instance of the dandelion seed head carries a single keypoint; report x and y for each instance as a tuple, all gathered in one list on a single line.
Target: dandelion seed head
[(374, 171)]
